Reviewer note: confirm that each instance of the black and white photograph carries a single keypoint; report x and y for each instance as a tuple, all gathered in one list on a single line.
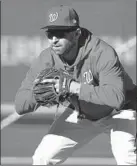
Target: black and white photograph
[(68, 82)]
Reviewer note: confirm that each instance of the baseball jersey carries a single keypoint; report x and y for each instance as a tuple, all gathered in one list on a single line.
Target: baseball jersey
[(104, 82)]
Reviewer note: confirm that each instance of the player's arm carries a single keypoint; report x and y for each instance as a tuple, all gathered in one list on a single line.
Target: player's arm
[(24, 99), (110, 90)]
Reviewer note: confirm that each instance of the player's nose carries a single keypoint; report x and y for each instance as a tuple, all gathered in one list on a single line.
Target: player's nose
[(55, 39)]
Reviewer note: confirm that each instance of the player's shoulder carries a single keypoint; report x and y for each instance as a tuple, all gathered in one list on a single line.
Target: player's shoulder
[(45, 55), (104, 49), (43, 59)]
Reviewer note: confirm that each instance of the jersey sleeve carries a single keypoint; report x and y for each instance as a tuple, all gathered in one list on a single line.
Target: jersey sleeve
[(24, 99), (110, 91)]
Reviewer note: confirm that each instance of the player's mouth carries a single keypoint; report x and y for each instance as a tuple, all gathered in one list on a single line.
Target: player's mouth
[(56, 47)]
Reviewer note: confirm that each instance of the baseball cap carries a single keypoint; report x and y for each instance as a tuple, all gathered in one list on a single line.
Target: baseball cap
[(61, 18)]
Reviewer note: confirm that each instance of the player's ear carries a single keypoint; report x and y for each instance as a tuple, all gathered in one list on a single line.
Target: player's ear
[(78, 33)]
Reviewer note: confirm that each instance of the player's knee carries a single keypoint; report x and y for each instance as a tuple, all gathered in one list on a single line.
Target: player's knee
[(39, 160), (42, 159), (57, 161), (42, 156), (126, 157), (49, 147)]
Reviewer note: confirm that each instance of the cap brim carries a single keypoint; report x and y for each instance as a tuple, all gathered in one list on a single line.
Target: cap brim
[(48, 28)]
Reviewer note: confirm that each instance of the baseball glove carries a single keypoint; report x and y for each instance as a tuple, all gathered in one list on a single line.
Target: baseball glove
[(44, 87)]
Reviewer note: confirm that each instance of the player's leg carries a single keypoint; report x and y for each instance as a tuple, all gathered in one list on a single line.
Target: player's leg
[(123, 137), (52, 150), (65, 135)]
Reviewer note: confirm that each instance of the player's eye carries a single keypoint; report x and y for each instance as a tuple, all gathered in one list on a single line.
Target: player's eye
[(57, 34)]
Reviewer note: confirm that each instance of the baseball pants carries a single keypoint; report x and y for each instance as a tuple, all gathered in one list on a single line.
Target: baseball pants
[(68, 134)]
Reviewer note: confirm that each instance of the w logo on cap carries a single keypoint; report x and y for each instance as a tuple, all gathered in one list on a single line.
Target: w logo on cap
[(53, 17)]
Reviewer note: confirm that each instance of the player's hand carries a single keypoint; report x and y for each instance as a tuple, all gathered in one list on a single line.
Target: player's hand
[(75, 87)]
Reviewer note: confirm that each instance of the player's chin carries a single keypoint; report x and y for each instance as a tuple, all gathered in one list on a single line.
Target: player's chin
[(58, 51)]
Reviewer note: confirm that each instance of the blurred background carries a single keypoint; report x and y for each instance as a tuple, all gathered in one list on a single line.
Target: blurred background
[(22, 41)]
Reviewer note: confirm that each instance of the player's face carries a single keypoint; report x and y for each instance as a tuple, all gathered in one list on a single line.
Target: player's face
[(61, 42)]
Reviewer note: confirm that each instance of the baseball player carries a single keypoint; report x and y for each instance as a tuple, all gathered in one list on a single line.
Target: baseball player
[(106, 94)]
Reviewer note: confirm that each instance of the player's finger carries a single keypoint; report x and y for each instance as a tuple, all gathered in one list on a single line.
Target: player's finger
[(48, 81), (56, 87)]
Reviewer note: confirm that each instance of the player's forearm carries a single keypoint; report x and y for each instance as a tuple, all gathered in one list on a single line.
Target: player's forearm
[(24, 102), (105, 95)]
